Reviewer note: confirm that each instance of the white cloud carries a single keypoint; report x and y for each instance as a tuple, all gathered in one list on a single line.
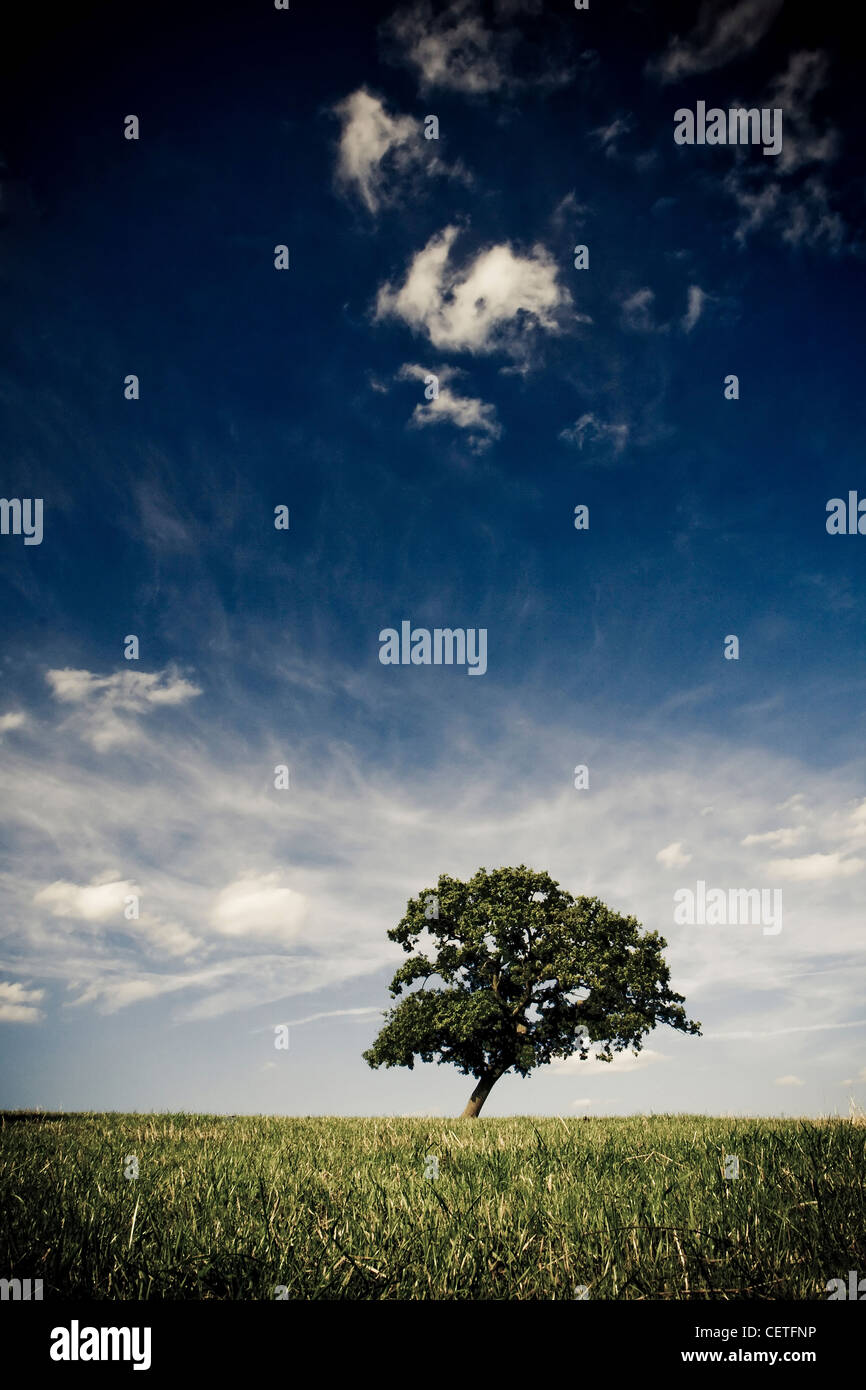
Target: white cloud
[(17, 1003), (807, 219), (697, 300), (857, 821), (750, 1034), (637, 312), (369, 134), (483, 306), (192, 813), (365, 1012), (262, 906), (568, 211), (757, 208), (378, 153), (814, 867), (455, 50), (95, 902), (794, 91), (609, 136), (589, 429), (621, 1063), (779, 839), (801, 214), (788, 1081), (104, 902), (673, 857), (132, 690), (106, 702), (468, 413), (722, 33), (13, 720)]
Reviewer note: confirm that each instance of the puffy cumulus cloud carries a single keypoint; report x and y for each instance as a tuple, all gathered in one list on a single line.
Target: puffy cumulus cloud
[(673, 856), (18, 1003), (13, 720), (722, 33), (94, 902), (260, 906), (107, 702), (789, 1080), (485, 305), (104, 902), (379, 152), (602, 436), (457, 50), (478, 418)]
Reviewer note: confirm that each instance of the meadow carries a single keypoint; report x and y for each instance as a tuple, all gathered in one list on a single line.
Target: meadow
[(257, 1207)]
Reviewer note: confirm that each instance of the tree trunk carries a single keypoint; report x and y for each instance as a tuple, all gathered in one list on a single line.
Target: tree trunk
[(486, 1082)]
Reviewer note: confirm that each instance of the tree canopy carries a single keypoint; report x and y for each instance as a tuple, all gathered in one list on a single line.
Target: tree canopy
[(507, 971)]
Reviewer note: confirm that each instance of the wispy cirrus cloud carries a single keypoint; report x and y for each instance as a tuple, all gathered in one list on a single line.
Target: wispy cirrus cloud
[(637, 314), (603, 437), (768, 196), (721, 34), (815, 867), (778, 839), (287, 894), (696, 301), (468, 413), (457, 48)]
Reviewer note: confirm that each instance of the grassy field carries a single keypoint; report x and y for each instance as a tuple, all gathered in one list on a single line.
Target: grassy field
[(232, 1207)]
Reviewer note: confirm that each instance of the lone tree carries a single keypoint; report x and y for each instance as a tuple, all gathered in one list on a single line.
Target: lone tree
[(527, 973)]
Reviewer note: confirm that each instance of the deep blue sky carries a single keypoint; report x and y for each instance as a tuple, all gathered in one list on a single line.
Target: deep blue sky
[(605, 647)]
